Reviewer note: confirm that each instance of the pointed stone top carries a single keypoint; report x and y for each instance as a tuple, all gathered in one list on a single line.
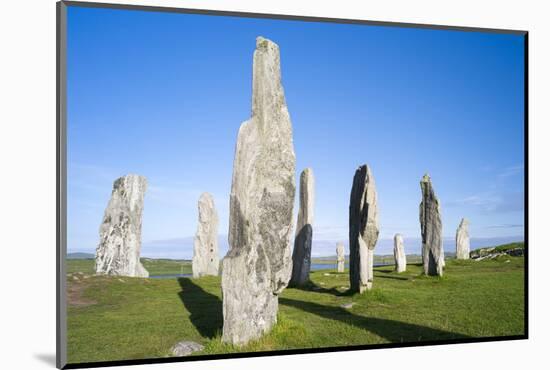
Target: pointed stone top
[(206, 196), (398, 235), (263, 43), (132, 183), (426, 178), (131, 177), (365, 168), (464, 222), (268, 99)]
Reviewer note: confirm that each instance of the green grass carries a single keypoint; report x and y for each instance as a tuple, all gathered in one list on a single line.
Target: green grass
[(85, 266), (114, 318), (154, 266)]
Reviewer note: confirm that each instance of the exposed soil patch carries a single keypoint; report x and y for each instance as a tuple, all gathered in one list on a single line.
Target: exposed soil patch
[(75, 290)]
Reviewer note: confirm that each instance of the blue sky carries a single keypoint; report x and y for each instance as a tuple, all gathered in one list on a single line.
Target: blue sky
[(163, 95)]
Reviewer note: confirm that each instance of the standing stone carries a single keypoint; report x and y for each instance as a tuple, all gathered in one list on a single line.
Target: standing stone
[(431, 229), (258, 264), (363, 229), (301, 255), (399, 253), (206, 260), (463, 240), (120, 232), (340, 257)]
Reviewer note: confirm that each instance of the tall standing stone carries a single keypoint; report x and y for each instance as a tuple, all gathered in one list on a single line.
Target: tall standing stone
[(258, 264), (301, 255), (463, 240), (431, 229), (119, 246), (363, 229), (399, 253), (340, 257), (206, 260)]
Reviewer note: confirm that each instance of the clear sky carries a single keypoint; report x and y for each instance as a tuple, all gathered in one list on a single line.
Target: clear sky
[(163, 95)]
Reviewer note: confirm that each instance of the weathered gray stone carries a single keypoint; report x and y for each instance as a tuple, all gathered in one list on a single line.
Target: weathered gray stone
[(340, 257), (258, 264), (206, 260), (301, 255), (119, 246), (433, 257), (185, 348), (463, 240), (399, 253), (492, 253), (363, 229)]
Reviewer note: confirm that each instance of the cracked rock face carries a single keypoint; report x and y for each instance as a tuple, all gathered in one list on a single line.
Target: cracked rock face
[(463, 240), (206, 260), (433, 258), (258, 264), (301, 255), (363, 229), (340, 257), (119, 246), (399, 253)]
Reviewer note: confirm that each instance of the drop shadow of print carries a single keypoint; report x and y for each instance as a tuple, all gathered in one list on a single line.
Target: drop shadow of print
[(205, 308), (393, 331)]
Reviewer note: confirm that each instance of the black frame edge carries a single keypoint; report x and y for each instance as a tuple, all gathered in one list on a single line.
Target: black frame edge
[(163, 360)]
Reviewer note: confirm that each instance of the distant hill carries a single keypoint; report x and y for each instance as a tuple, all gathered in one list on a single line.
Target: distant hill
[(80, 256)]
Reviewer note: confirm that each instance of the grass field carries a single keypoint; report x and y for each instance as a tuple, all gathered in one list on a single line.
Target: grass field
[(172, 267), (113, 318), (154, 266)]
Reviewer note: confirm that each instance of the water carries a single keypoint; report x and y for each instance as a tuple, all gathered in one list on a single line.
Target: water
[(324, 266), (331, 266), (313, 267)]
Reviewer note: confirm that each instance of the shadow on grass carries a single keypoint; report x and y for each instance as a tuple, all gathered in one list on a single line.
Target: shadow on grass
[(391, 277), (312, 287), (385, 271), (205, 308), (393, 331)]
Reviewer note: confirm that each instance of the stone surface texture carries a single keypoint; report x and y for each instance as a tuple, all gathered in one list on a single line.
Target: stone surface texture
[(433, 258), (363, 229), (463, 240), (119, 245), (206, 260), (301, 255), (491, 253), (340, 257), (185, 348), (258, 264), (399, 253)]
